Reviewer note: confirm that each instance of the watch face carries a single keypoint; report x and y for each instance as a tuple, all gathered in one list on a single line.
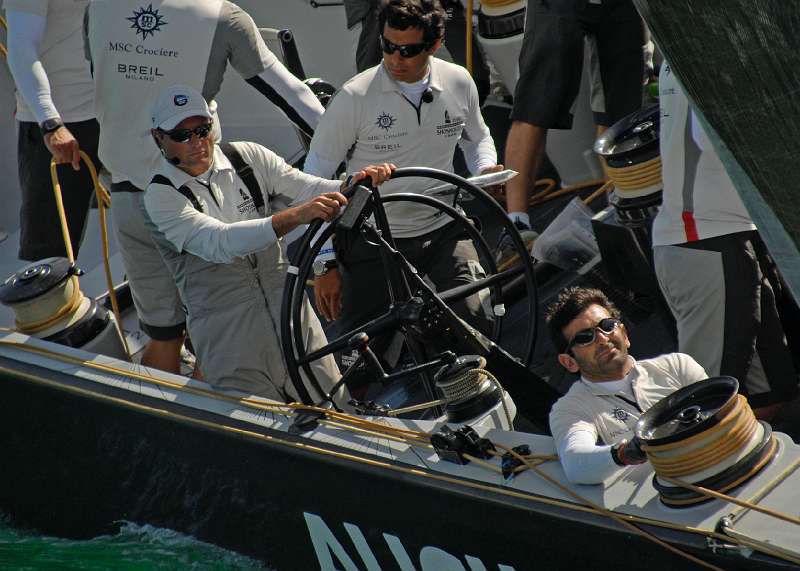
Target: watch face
[(318, 267)]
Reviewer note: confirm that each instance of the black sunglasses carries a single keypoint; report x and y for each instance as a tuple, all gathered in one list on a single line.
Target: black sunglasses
[(586, 337), (406, 50), (185, 135)]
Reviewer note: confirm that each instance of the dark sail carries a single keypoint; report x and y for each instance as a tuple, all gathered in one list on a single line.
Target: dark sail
[(739, 63)]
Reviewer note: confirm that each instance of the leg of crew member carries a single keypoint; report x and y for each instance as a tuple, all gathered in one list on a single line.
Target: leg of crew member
[(163, 320)]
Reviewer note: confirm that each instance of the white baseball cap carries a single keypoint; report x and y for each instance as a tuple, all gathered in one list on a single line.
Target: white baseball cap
[(177, 103)]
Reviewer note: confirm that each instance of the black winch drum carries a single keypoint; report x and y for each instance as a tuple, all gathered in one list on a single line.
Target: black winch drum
[(710, 426), (40, 289)]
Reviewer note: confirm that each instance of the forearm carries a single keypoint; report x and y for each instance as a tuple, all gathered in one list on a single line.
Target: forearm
[(583, 461), (24, 36), (221, 243), (479, 156)]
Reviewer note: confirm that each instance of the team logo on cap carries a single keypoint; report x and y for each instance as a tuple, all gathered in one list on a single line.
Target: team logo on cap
[(180, 100), (146, 21), (385, 121)]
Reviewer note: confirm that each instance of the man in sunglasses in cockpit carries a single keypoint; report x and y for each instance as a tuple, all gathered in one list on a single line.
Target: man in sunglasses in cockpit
[(411, 110), (593, 423)]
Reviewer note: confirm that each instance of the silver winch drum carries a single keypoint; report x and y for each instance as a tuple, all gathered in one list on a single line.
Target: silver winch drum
[(633, 141), (39, 290), (704, 434), (469, 394)]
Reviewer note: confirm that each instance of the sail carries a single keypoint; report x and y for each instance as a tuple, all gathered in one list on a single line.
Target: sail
[(739, 63)]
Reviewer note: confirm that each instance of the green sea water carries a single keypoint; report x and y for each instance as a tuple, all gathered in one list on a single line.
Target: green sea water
[(134, 548)]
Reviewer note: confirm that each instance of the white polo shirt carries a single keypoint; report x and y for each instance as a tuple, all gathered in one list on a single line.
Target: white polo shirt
[(612, 416), (61, 55), (699, 199), (369, 121), (138, 49)]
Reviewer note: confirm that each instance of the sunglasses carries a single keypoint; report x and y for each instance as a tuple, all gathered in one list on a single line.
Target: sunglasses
[(185, 135), (406, 50), (586, 337)]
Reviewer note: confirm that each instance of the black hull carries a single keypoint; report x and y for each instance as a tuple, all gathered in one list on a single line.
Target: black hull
[(78, 459)]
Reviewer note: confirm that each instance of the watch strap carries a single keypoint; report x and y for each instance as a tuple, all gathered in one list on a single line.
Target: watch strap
[(50, 125)]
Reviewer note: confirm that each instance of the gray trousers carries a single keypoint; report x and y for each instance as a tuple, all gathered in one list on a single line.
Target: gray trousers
[(726, 313)]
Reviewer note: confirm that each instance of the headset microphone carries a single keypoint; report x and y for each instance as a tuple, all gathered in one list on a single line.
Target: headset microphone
[(427, 95)]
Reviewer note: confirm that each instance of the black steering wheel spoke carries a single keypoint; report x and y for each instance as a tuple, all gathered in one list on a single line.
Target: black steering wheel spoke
[(421, 315)]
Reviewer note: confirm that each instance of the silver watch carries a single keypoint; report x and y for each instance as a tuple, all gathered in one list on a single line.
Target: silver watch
[(322, 267)]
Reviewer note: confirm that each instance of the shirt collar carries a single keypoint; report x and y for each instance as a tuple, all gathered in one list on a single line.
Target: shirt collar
[(597, 388), (388, 83), (179, 177)]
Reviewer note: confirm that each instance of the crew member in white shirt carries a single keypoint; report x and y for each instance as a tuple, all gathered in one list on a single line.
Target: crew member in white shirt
[(55, 111), (220, 236), (593, 423), (137, 49), (712, 266), (411, 110)]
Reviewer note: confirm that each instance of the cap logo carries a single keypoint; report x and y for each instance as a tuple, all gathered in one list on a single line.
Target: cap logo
[(181, 100)]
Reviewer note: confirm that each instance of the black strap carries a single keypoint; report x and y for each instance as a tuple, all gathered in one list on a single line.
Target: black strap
[(184, 190), (630, 402), (245, 172)]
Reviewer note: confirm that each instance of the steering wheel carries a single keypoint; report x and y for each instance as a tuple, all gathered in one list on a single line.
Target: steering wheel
[(416, 309)]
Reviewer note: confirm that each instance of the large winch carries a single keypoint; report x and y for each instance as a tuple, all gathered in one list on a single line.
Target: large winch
[(48, 304), (630, 148), (705, 435)]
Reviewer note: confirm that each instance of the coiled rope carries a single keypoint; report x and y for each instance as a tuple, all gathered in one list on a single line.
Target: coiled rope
[(3, 49), (103, 202), (634, 179), (733, 435), (460, 387)]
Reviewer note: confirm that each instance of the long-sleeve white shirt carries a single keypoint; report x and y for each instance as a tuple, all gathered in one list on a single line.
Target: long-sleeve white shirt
[(229, 226)]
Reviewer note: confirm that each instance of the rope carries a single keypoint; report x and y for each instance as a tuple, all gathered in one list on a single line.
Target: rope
[(498, 3), (636, 177), (473, 375), (616, 517), (3, 49), (103, 202), (66, 310), (418, 438), (733, 434)]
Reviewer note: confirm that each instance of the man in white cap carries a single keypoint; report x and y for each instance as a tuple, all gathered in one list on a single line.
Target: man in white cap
[(137, 49), (219, 230)]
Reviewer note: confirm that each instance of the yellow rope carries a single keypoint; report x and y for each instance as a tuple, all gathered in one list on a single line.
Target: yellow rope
[(3, 49), (621, 521), (65, 310), (530, 462), (103, 202), (498, 3), (636, 177), (706, 449)]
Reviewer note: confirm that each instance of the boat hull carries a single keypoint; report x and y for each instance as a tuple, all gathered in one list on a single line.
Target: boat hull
[(79, 459)]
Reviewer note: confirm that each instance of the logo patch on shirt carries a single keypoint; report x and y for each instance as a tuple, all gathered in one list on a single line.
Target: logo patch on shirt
[(385, 121), (620, 414), (451, 127), (247, 205), (146, 21)]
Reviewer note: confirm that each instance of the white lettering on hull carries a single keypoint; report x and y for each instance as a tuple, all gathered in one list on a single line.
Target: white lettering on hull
[(328, 548)]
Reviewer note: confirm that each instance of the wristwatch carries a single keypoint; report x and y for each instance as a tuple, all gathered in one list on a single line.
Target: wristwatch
[(50, 125), (322, 267)]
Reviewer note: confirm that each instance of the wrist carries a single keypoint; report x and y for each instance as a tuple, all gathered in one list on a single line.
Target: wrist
[(50, 125)]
